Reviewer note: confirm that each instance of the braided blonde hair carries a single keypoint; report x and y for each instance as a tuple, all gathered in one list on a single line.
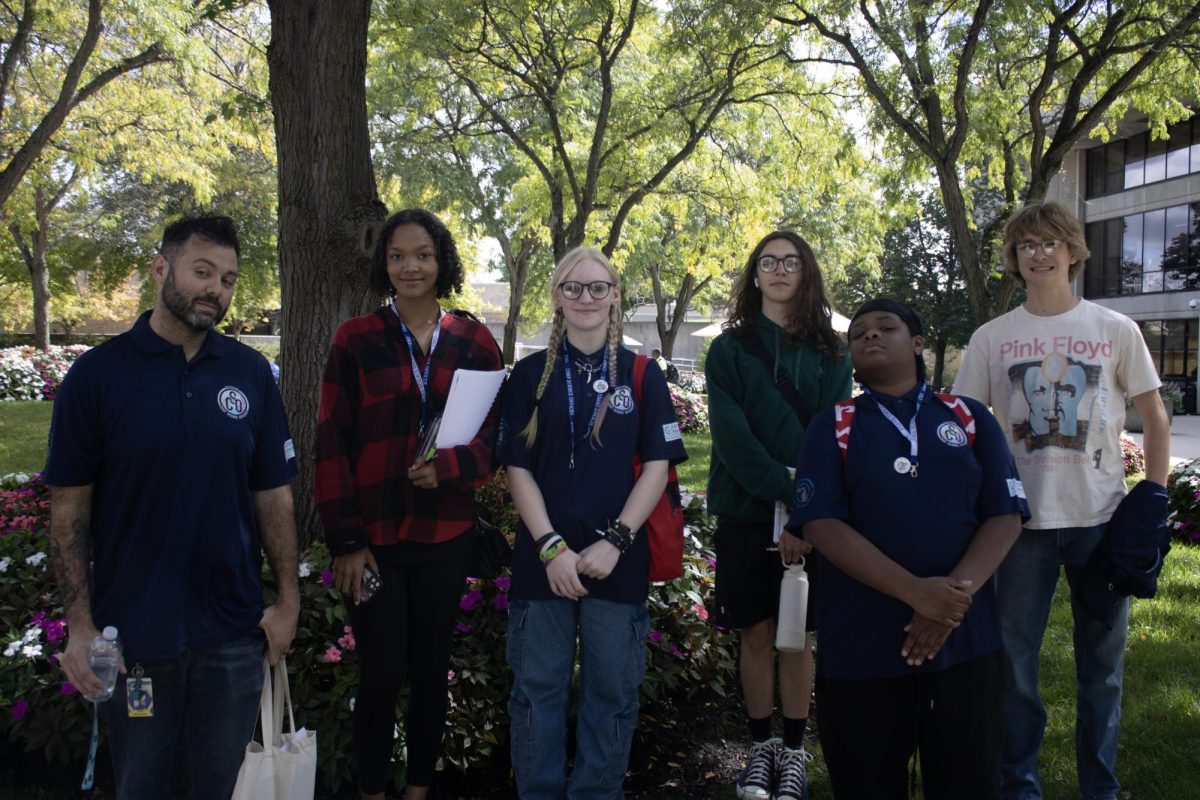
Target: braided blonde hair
[(558, 329)]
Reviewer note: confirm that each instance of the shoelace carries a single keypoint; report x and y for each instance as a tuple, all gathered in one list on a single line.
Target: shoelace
[(792, 772), (758, 771)]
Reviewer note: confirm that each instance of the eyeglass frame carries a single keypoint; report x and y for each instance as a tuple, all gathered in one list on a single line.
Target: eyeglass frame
[(609, 284), (778, 262), (1029, 249)]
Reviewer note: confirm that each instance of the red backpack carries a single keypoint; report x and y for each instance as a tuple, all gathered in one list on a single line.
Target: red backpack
[(843, 418), (664, 526)]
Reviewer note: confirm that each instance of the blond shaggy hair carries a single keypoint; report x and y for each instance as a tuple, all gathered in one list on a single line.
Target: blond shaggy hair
[(1044, 221)]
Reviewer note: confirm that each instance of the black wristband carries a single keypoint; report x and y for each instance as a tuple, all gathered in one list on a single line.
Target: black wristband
[(618, 535), (541, 542)]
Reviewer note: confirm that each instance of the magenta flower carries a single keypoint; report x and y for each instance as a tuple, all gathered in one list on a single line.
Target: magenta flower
[(655, 636), (501, 602), (55, 631), (675, 651), (67, 688), (332, 655), (347, 642), (20, 709), (327, 577), (470, 600), (503, 582), (450, 675), (701, 611), (462, 628)]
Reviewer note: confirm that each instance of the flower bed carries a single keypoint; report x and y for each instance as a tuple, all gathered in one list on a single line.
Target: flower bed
[(1183, 501), (690, 408), (43, 713), (27, 373), (1132, 455)]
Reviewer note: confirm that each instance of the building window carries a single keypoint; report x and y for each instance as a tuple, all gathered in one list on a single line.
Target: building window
[(1173, 344), (1157, 251), (1140, 160)]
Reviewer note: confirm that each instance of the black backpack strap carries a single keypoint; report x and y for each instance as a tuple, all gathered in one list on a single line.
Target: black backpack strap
[(463, 314), (756, 347)]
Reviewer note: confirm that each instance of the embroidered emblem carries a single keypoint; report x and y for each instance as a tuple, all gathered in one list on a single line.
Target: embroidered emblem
[(622, 400), (289, 450), (952, 434), (233, 402), (671, 432), (804, 492)]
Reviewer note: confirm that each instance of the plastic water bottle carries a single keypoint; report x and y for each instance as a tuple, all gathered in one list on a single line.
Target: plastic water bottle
[(105, 659), (790, 634)]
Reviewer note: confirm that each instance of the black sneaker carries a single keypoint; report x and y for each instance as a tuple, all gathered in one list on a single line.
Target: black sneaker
[(758, 777), (792, 773)]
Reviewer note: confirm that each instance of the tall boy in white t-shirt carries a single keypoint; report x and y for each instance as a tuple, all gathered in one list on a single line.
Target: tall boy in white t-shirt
[(1055, 372)]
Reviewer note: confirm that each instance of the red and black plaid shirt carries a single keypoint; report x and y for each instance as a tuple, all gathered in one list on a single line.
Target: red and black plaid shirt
[(367, 435)]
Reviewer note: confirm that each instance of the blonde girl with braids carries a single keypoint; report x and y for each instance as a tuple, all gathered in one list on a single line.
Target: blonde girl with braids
[(571, 426)]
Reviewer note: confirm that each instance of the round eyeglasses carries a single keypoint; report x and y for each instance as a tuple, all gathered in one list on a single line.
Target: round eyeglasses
[(1029, 249), (573, 290), (771, 263)]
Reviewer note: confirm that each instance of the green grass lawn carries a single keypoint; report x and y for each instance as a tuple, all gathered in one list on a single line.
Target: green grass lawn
[(1160, 736), (23, 428)]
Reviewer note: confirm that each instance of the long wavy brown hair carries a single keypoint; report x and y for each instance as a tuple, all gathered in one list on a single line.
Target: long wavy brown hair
[(810, 318)]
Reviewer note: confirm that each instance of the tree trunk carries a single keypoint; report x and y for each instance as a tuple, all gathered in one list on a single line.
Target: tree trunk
[(958, 220), (41, 300), (939, 362), (329, 210)]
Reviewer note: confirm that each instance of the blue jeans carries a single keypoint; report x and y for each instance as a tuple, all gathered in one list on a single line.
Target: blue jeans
[(1025, 585), (211, 696), (612, 663)]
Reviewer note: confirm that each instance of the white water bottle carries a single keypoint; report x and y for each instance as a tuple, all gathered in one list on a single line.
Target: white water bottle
[(790, 633), (105, 659)]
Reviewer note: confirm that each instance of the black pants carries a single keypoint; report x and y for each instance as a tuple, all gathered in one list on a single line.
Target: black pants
[(954, 719), (407, 629)]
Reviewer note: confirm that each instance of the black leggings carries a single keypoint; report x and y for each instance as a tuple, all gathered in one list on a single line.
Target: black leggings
[(407, 628), (954, 719)]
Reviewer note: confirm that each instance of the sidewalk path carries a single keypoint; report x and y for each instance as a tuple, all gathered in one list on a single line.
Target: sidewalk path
[(1185, 438)]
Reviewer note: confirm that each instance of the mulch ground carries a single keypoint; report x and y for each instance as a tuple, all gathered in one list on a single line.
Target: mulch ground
[(684, 749)]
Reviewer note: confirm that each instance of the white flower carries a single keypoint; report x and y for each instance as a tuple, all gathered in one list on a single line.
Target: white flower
[(4, 563), (351, 703), (12, 648), (31, 650), (32, 635), (36, 558), (305, 569)]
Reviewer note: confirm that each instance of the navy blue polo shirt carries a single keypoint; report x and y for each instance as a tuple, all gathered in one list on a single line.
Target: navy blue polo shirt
[(587, 497), (175, 452), (925, 524)]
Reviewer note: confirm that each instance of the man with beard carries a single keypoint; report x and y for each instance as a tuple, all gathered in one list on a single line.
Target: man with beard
[(169, 468)]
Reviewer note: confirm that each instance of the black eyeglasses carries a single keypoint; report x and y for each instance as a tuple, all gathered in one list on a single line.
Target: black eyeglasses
[(573, 290), (771, 263), (1030, 248)]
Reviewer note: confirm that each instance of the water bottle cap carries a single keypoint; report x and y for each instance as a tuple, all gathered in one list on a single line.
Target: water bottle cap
[(110, 633)]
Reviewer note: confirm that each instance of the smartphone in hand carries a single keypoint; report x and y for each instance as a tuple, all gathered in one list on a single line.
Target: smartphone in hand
[(371, 584)]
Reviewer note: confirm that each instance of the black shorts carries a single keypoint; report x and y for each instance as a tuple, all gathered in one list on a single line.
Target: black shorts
[(749, 574)]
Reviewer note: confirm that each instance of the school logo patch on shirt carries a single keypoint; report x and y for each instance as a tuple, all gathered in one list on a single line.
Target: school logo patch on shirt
[(233, 402), (952, 434), (1016, 488), (622, 400), (289, 450), (804, 492), (671, 432)]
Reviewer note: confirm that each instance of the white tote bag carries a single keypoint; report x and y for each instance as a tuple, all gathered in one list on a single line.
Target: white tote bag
[(284, 766)]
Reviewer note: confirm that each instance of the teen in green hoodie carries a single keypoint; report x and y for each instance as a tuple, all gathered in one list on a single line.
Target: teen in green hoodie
[(779, 334)]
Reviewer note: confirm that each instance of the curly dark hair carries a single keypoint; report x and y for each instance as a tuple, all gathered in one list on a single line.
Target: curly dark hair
[(214, 228), (450, 268), (810, 318)]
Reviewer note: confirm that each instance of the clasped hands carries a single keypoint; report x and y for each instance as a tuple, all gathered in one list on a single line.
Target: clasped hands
[(939, 606), (597, 560)]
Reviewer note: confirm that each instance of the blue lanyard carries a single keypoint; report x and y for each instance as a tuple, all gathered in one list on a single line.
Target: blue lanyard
[(567, 371), (909, 433), (421, 377)]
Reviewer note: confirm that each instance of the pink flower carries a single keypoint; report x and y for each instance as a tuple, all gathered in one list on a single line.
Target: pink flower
[(68, 688), (347, 642), (20, 709), (701, 611), (327, 577), (450, 675), (332, 655)]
